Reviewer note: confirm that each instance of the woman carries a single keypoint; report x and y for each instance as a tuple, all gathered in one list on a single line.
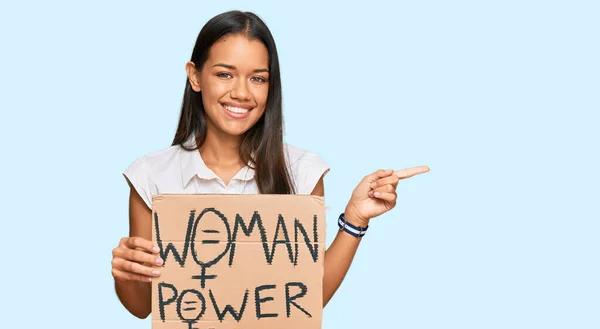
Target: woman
[(230, 140)]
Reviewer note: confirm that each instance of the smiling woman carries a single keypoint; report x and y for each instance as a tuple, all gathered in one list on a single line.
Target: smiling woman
[(234, 82), (233, 96), (230, 140)]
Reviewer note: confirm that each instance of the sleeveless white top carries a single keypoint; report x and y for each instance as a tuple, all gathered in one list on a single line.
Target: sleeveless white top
[(176, 171)]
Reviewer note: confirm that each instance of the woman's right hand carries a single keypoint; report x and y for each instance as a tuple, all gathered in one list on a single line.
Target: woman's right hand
[(134, 258)]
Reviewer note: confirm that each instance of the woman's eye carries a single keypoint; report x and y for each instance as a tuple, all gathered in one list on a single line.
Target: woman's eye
[(224, 75), (259, 79)]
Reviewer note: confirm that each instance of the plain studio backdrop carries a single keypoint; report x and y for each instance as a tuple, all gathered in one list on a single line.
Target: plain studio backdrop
[(499, 98)]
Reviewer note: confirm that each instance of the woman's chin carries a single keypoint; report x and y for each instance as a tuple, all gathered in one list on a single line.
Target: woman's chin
[(233, 127), (235, 130)]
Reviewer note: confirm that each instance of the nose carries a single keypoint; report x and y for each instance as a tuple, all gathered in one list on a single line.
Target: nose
[(240, 90)]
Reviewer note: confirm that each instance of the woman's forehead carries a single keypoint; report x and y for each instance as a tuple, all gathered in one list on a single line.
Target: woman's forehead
[(239, 51)]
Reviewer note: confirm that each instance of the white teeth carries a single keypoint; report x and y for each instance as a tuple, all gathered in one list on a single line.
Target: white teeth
[(235, 109)]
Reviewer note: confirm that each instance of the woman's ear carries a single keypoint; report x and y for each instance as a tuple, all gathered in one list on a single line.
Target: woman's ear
[(193, 76)]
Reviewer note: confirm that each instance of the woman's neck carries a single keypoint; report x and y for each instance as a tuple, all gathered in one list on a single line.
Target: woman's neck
[(221, 150)]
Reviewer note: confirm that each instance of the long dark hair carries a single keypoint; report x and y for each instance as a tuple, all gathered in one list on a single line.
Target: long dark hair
[(262, 145)]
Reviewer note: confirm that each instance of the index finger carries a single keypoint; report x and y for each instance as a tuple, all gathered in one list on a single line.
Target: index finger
[(141, 243), (406, 173), (378, 174)]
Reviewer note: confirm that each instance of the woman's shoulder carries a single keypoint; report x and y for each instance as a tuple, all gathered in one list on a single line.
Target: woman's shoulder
[(157, 159), (306, 168), (142, 173), (296, 155)]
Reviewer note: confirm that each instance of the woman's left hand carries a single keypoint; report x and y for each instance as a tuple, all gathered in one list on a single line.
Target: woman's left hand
[(376, 194)]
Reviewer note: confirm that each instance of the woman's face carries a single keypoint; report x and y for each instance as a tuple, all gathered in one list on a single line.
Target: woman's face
[(234, 82)]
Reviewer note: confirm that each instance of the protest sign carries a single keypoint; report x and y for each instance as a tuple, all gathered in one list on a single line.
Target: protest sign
[(238, 261)]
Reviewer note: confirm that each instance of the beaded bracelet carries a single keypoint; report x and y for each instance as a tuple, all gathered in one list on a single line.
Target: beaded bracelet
[(355, 231)]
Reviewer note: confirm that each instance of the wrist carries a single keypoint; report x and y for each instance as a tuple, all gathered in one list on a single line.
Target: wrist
[(353, 217), (350, 228)]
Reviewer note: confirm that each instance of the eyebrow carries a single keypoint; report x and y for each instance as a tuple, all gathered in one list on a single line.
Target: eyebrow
[(231, 67)]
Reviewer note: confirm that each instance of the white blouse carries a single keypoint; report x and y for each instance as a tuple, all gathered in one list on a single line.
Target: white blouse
[(177, 171)]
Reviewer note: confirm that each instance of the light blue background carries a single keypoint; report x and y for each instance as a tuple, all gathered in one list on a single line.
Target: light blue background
[(499, 98)]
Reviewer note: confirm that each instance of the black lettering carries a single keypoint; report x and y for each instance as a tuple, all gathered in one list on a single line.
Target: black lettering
[(161, 301), (313, 249), (200, 299), (190, 237), (239, 223), (258, 300), (315, 233), (289, 300), (229, 308), (164, 252), (217, 258), (203, 277), (286, 241)]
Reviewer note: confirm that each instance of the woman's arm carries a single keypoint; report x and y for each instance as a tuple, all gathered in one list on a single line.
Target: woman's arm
[(135, 291), (374, 195), (338, 256)]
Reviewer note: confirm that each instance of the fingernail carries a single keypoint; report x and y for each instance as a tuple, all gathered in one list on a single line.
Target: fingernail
[(148, 279), (374, 184), (377, 194), (156, 272), (159, 261), (155, 249)]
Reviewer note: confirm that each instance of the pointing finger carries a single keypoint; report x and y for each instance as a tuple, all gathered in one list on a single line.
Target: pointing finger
[(407, 173), (390, 180), (378, 174)]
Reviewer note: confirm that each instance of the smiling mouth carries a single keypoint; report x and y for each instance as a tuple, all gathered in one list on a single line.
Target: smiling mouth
[(237, 110)]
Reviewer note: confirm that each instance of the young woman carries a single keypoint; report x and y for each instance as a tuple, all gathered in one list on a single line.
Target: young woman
[(230, 140)]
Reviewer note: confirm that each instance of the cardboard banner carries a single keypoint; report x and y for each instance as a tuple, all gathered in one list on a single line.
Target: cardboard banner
[(238, 261)]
